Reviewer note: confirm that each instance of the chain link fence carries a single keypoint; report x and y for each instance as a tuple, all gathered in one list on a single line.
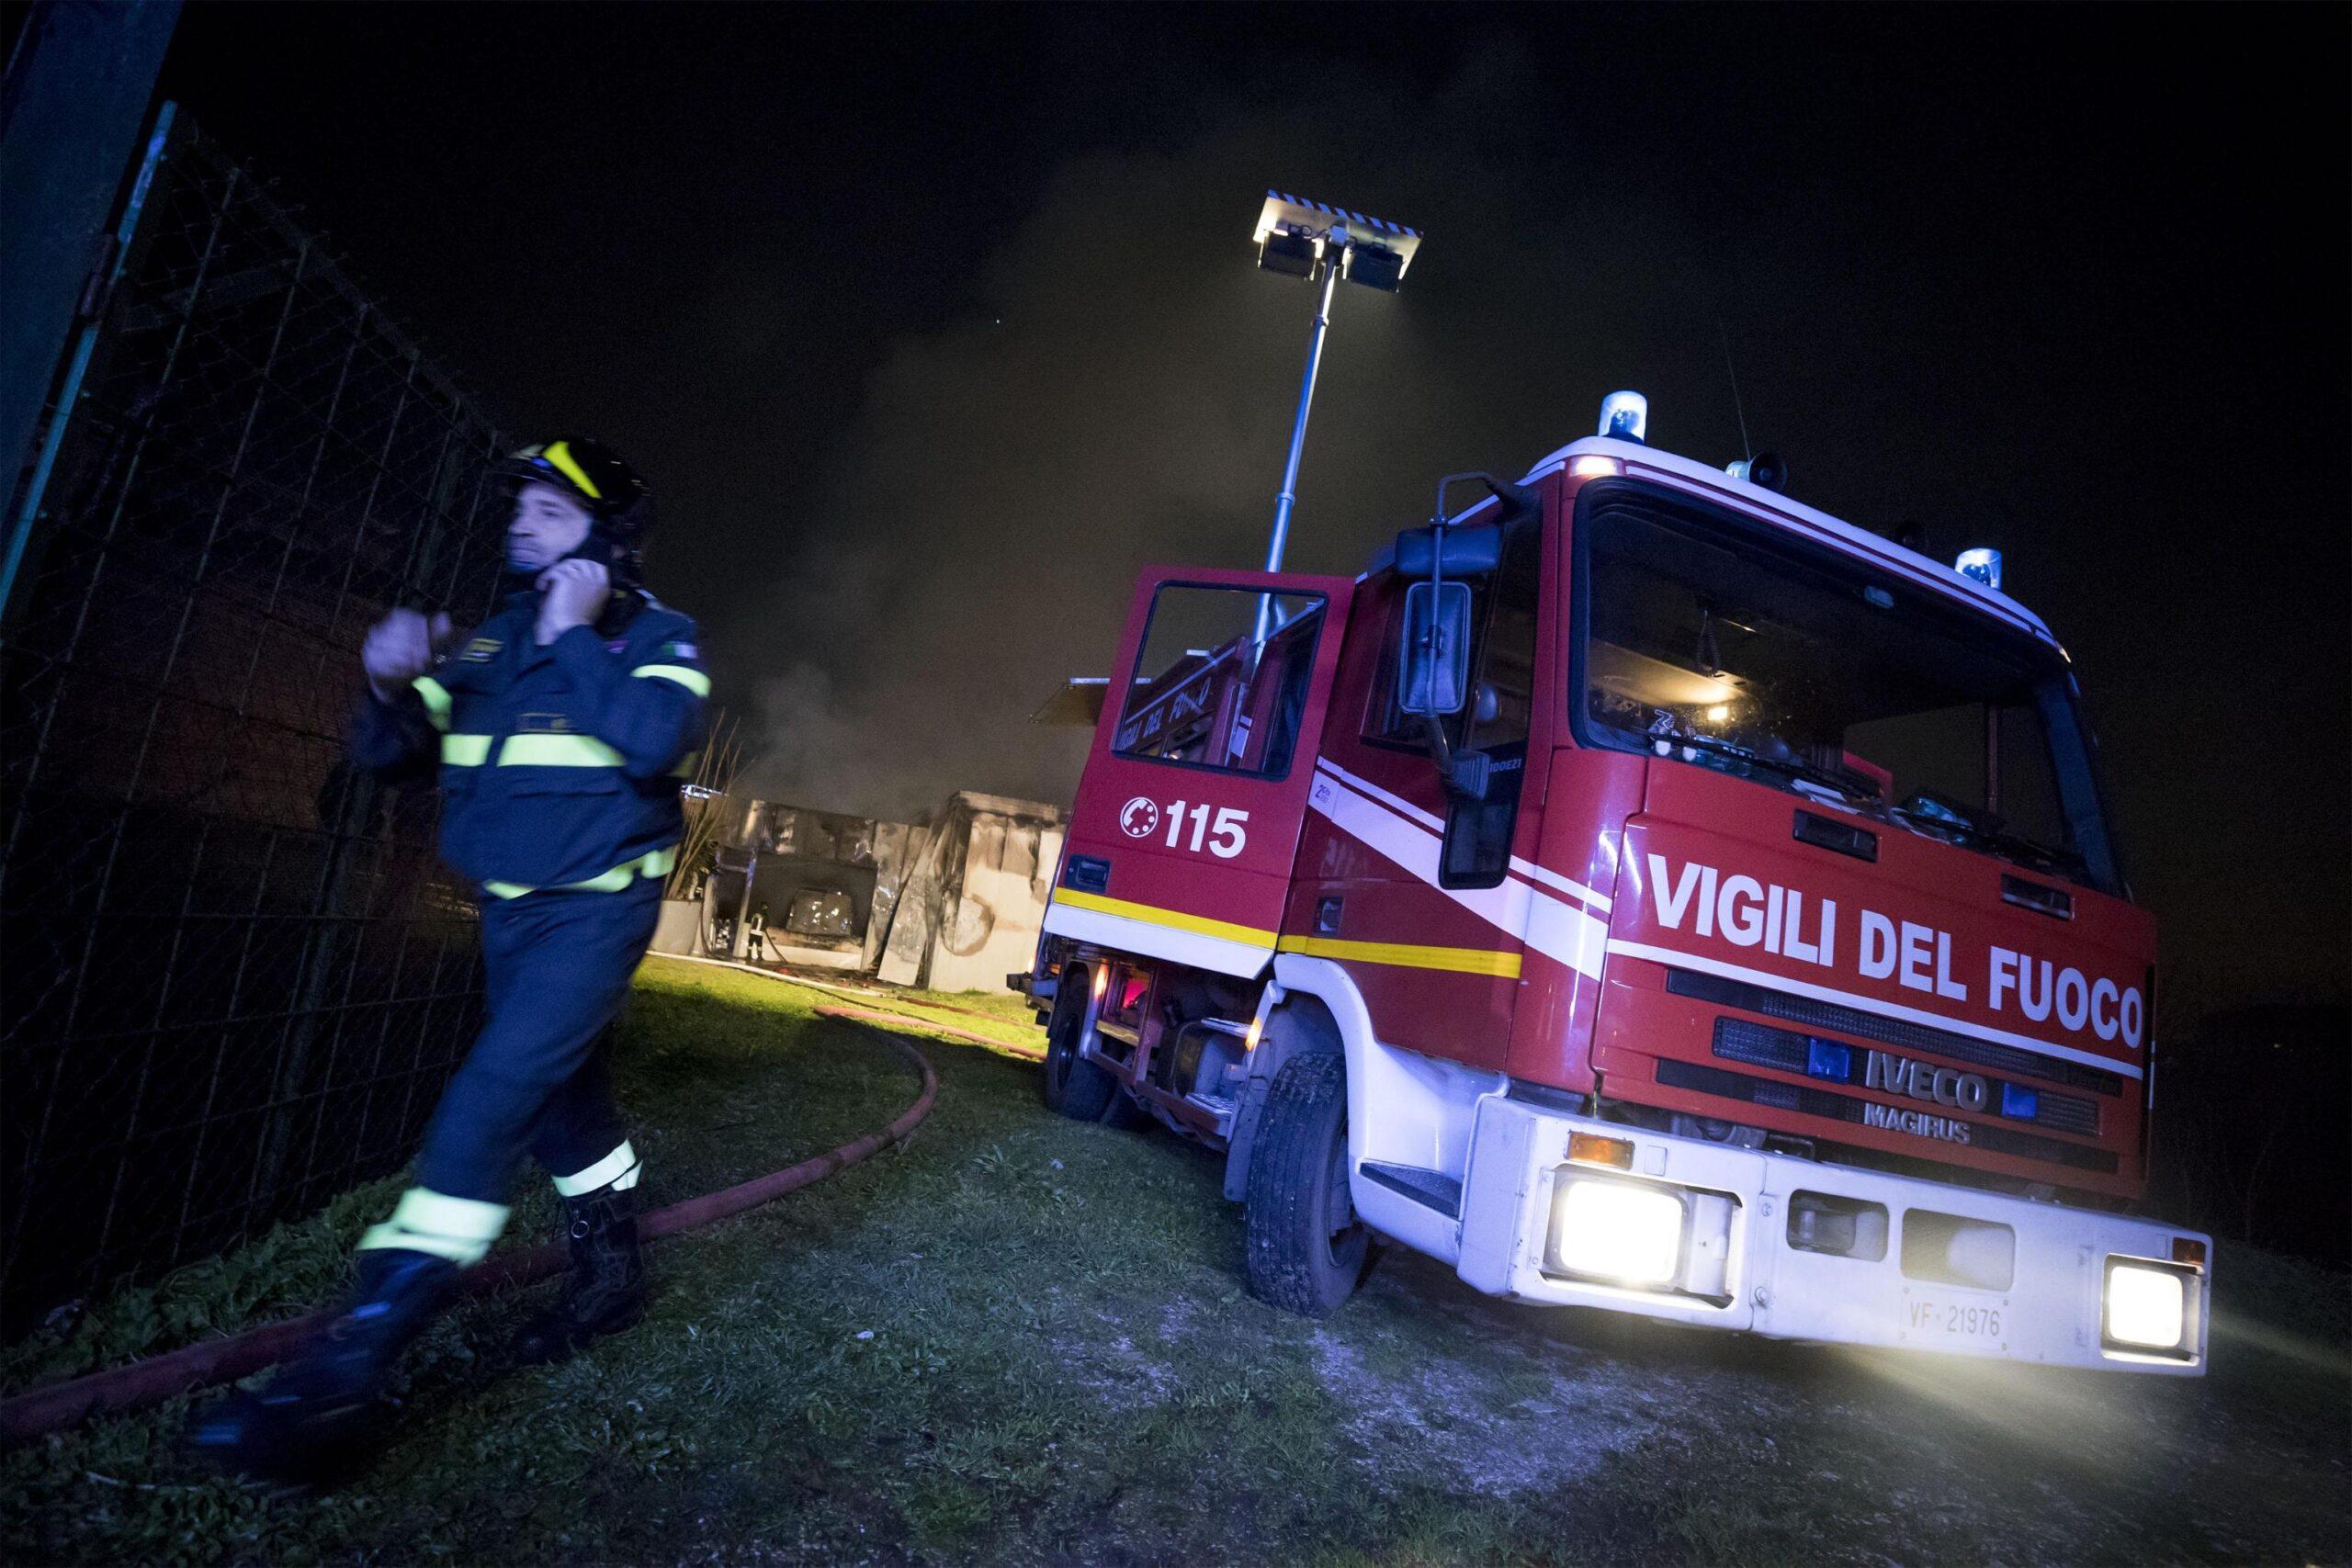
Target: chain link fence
[(236, 976)]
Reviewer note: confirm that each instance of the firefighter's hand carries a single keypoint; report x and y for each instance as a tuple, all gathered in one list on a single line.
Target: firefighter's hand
[(398, 649), (573, 593)]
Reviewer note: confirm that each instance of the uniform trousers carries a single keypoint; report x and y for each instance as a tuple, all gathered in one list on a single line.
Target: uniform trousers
[(557, 968)]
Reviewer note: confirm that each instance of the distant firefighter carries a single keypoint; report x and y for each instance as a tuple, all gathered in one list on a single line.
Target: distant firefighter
[(561, 726)]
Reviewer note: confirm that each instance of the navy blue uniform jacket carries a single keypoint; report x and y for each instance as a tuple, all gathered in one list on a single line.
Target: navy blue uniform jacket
[(560, 766)]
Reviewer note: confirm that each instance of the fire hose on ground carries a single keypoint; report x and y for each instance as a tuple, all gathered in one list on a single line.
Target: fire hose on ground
[(157, 1377)]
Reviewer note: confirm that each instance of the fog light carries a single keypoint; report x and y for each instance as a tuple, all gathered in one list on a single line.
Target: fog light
[(1621, 1231), (1840, 1227), (1954, 1249), (2146, 1307)]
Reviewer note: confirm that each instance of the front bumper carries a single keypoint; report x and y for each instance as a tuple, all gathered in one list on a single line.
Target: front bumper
[(1924, 1266)]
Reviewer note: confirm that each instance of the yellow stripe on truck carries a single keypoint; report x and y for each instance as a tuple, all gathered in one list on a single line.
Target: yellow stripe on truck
[(1406, 955), (1175, 919)]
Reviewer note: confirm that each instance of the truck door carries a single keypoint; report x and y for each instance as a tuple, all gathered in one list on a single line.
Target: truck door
[(1188, 814), (1422, 895)]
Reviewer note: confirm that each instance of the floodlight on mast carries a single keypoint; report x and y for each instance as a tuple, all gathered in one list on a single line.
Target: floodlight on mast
[(1307, 238)]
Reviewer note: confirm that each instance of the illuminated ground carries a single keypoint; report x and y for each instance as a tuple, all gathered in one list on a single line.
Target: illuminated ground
[(1021, 1340)]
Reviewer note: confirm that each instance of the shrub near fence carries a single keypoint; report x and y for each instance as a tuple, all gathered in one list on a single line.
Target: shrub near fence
[(235, 977)]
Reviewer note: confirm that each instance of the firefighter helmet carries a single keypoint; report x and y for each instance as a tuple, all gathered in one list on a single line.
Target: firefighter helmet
[(620, 501)]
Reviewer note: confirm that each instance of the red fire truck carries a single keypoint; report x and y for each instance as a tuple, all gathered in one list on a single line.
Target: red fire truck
[(1638, 890)]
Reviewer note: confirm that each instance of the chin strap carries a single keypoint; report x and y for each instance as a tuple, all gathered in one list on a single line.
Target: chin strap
[(620, 562), (619, 610)]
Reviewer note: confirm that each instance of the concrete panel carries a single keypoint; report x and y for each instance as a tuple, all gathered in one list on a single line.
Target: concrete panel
[(906, 955), (993, 927), (680, 929)]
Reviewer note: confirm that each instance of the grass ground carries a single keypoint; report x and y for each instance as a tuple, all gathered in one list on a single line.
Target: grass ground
[(1023, 1340)]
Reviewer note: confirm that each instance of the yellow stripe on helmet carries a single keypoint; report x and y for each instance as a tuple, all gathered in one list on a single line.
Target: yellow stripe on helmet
[(560, 455)]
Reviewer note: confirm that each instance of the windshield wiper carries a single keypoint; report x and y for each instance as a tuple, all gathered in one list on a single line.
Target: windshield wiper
[(1783, 765), (1948, 818)]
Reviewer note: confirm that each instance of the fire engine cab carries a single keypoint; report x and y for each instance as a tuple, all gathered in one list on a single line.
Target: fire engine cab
[(1638, 890)]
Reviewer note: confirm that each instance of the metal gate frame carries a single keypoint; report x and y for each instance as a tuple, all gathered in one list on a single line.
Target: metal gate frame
[(235, 975)]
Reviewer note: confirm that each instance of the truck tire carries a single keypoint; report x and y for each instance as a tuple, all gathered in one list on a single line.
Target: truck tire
[(1304, 1246), (1123, 1115), (1073, 1086)]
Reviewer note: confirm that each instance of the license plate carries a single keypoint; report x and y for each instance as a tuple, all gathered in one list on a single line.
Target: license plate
[(1937, 1319)]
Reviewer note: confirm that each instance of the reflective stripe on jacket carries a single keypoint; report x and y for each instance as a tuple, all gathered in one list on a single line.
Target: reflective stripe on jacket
[(560, 766)]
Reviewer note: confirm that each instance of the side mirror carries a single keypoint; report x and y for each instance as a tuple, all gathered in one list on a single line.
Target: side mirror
[(1434, 661)]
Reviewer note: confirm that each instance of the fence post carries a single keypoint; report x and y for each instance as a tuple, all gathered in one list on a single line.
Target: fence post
[(70, 107)]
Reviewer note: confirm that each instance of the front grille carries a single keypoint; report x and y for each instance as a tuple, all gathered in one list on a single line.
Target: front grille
[(1762, 1045), (1809, 1101), (1888, 1031)]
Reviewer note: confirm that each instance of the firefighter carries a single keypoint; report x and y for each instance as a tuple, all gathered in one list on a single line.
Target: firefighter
[(559, 728)]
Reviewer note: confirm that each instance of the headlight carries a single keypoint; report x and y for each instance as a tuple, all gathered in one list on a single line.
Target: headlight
[(1621, 1231), (2146, 1307)]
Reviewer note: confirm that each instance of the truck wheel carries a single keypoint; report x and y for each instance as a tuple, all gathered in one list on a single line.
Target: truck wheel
[(1306, 1248), (1073, 1086), (1123, 1115)]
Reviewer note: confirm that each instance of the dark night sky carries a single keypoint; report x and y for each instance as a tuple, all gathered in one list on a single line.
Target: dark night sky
[(931, 326)]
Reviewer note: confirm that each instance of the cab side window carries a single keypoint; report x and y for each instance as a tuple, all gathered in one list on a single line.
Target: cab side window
[(1502, 699), (1384, 723), (1478, 832)]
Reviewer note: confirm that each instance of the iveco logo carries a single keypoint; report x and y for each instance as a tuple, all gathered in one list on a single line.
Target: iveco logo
[(1139, 817), (1922, 1080)]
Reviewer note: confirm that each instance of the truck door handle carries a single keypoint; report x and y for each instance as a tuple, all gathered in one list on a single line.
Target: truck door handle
[(2054, 901), (1843, 838), (1327, 915)]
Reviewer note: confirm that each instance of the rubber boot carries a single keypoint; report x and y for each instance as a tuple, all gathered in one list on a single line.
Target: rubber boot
[(318, 1411), (605, 1291)]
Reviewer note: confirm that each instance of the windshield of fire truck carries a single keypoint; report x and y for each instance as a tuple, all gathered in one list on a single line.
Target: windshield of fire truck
[(1740, 649)]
